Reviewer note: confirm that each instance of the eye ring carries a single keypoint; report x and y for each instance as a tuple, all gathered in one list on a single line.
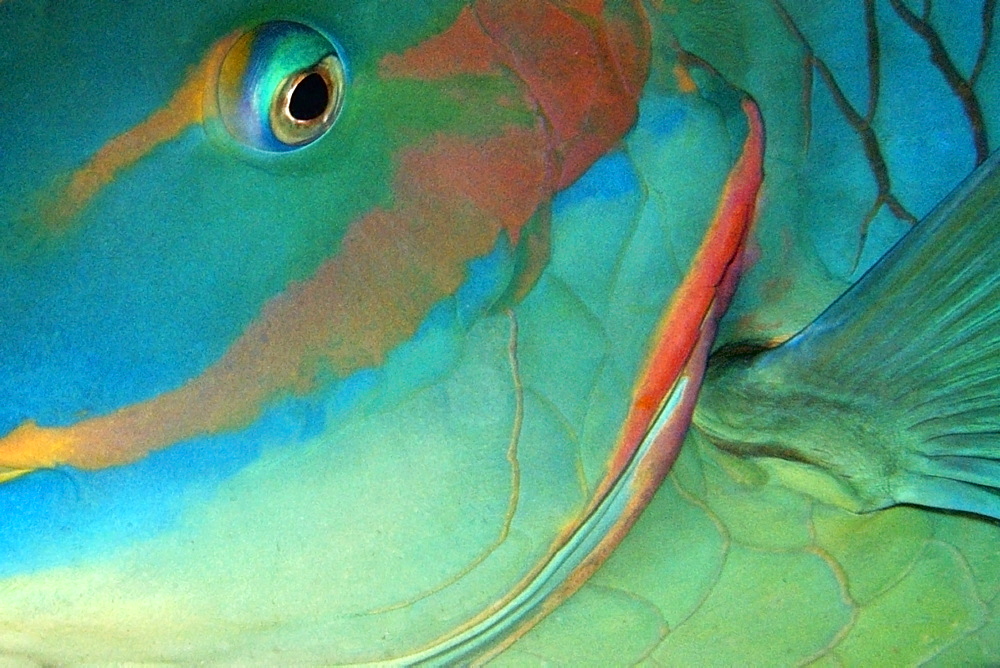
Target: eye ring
[(281, 86)]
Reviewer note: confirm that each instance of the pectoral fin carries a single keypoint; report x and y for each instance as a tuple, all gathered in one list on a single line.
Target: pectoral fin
[(895, 388)]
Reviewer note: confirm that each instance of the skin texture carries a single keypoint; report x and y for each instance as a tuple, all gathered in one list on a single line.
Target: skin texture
[(441, 409), (755, 561), (354, 353)]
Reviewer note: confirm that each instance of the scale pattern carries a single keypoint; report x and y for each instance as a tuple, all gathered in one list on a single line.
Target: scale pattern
[(874, 110)]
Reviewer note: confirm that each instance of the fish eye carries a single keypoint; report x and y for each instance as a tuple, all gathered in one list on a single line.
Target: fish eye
[(281, 86)]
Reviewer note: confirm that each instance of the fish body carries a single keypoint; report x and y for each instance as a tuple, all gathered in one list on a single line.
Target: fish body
[(220, 288), (388, 379), (756, 560)]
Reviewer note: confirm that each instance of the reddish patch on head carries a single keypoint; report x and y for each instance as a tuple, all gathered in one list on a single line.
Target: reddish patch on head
[(591, 8), (462, 49), (504, 181), (583, 65), (575, 70), (628, 48), (580, 65)]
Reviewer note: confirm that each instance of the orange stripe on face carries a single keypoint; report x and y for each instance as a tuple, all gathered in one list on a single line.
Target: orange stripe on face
[(185, 108), (392, 267)]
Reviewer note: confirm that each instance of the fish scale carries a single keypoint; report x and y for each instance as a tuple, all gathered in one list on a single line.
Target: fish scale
[(455, 466), (915, 585), (129, 521)]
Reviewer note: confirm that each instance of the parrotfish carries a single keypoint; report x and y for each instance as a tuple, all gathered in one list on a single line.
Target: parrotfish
[(363, 332)]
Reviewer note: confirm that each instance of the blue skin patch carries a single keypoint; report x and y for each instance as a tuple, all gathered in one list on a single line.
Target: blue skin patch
[(66, 516), (661, 114), (487, 280), (613, 176), (609, 178)]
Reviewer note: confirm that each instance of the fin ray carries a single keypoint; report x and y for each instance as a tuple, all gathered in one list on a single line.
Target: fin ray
[(952, 495), (907, 363), (939, 289), (976, 470)]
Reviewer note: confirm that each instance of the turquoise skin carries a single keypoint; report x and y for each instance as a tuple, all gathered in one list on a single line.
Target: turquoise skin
[(260, 486), (350, 489), (756, 561)]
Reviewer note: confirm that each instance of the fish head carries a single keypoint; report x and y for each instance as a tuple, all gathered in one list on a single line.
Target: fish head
[(357, 332), (163, 213)]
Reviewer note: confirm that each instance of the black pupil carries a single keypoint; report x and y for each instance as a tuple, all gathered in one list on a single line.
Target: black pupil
[(309, 99)]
